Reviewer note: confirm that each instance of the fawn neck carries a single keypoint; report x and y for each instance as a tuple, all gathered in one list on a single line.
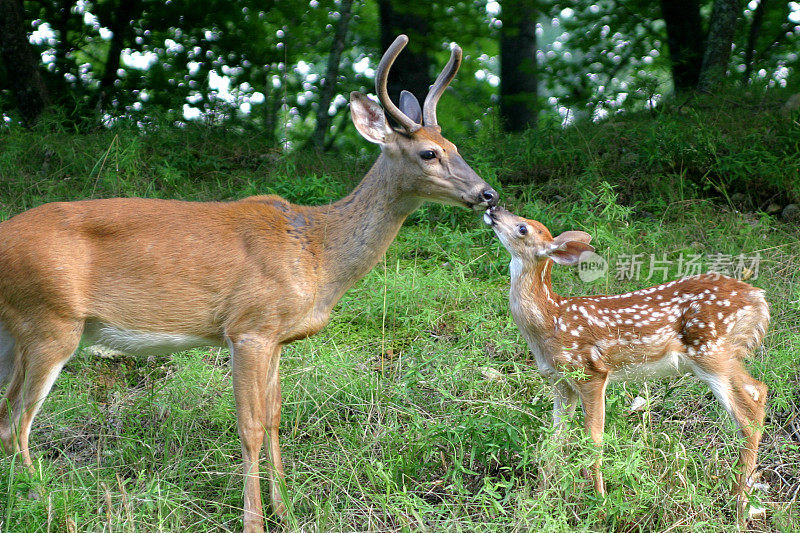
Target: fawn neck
[(355, 232), (532, 298)]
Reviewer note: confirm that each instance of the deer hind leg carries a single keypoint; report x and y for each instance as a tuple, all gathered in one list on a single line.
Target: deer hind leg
[(593, 399), (6, 355), (256, 391), (35, 366)]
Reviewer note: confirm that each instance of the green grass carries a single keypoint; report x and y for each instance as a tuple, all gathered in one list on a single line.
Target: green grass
[(418, 408)]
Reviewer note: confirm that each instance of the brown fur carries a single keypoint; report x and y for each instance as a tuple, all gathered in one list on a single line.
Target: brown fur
[(254, 274)]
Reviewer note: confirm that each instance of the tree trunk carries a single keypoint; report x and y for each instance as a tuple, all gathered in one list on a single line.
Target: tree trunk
[(721, 30), (120, 26), (411, 70), (518, 78), (685, 41), (272, 106), (752, 37), (339, 128), (331, 74), (21, 62)]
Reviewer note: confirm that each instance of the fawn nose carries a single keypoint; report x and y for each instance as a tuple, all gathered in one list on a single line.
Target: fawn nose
[(490, 196)]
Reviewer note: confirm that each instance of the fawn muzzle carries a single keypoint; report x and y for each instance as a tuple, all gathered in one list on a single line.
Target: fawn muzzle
[(492, 215)]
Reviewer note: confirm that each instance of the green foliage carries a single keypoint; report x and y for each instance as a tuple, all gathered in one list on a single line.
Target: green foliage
[(595, 58), (419, 407), (610, 45), (603, 56), (686, 149), (192, 163), (272, 57)]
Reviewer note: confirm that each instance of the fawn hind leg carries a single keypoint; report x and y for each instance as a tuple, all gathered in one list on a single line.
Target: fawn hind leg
[(748, 411), (35, 365), (745, 399), (748, 405)]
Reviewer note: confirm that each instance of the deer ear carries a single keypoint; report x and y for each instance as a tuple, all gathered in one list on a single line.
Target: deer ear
[(409, 105), (568, 247), (368, 118)]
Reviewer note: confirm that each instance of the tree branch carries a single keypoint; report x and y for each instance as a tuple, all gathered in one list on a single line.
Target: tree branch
[(331, 74)]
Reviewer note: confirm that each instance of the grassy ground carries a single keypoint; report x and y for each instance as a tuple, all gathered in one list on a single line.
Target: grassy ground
[(418, 408)]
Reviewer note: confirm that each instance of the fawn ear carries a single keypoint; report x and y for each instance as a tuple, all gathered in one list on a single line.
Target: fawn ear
[(580, 236), (568, 247)]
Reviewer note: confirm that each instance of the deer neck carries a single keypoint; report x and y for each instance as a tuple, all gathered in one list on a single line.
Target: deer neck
[(355, 232), (533, 303)]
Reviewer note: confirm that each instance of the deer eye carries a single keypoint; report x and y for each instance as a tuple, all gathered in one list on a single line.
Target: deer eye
[(427, 155), (522, 229)]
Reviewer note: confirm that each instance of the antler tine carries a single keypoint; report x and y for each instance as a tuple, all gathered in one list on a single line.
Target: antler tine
[(382, 75), (441, 83)]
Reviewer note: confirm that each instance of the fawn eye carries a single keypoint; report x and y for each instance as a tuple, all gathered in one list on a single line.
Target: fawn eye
[(427, 155), (522, 229)]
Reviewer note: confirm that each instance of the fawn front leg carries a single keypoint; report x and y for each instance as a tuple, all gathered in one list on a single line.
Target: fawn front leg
[(565, 399), (593, 398), (255, 373)]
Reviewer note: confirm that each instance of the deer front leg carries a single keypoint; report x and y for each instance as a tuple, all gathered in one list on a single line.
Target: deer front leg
[(255, 374), (275, 472), (593, 398)]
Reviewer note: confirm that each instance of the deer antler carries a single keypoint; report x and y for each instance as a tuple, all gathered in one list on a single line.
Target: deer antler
[(381, 76), (441, 83)]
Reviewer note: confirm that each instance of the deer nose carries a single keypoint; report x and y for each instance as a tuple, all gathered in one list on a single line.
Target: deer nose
[(490, 196)]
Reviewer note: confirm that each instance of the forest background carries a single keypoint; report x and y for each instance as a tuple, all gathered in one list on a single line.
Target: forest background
[(667, 130)]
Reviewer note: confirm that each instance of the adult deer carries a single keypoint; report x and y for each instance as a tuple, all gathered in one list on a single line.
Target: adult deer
[(158, 276), (702, 324)]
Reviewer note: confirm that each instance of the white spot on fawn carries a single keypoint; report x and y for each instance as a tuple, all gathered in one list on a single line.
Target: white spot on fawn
[(752, 391), (594, 353)]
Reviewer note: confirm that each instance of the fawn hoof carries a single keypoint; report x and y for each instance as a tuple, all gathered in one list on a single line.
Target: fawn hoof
[(747, 511)]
